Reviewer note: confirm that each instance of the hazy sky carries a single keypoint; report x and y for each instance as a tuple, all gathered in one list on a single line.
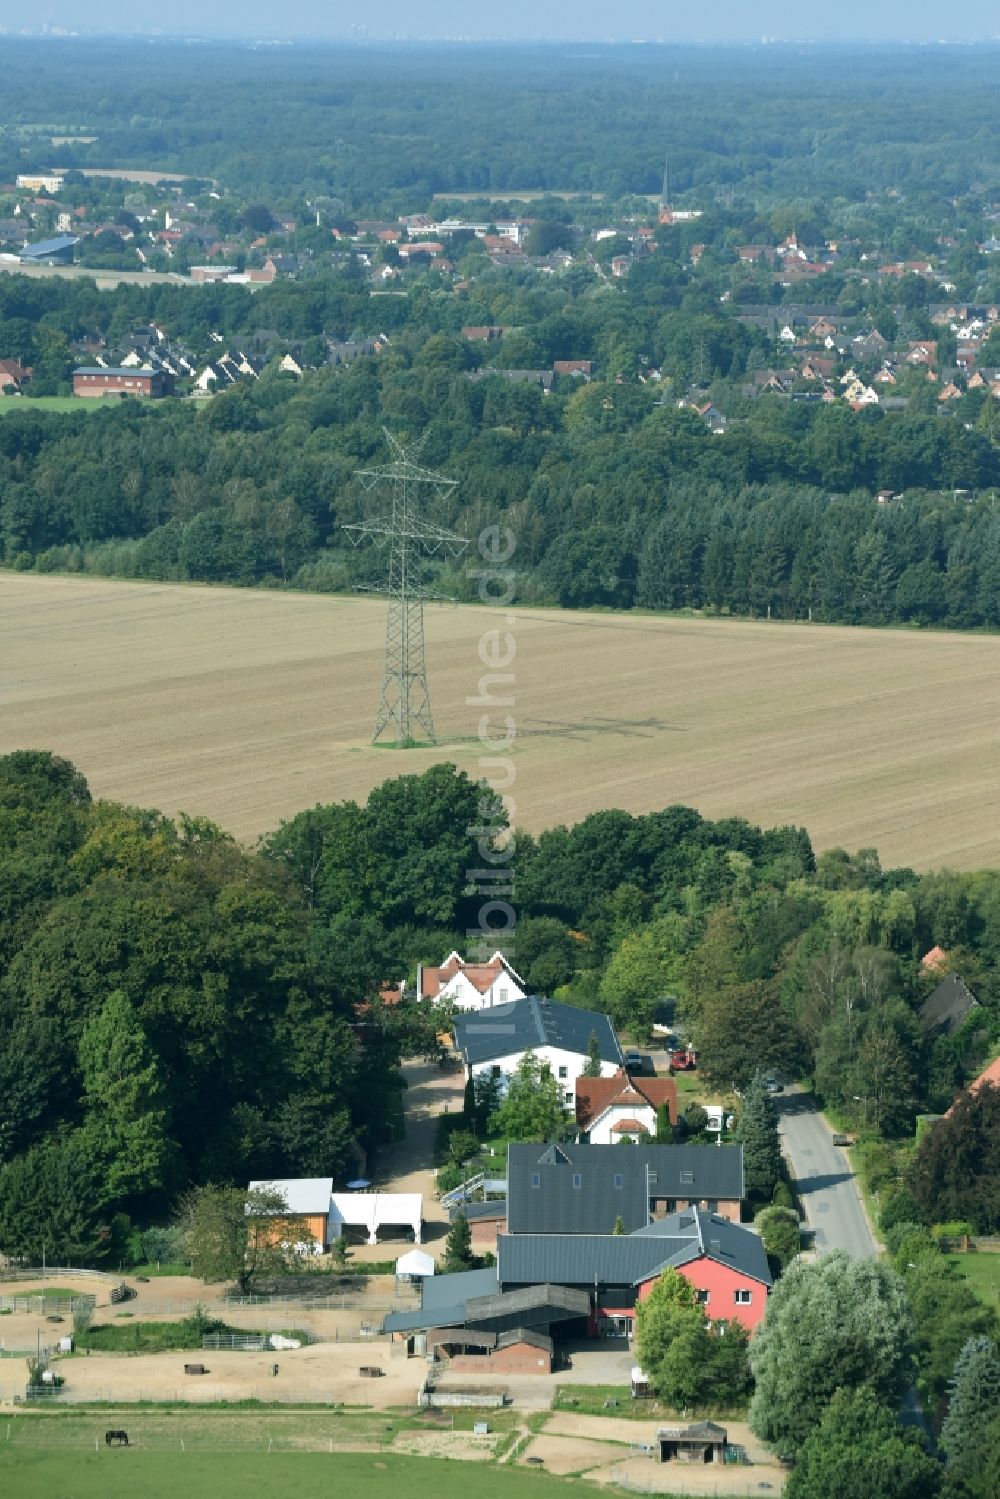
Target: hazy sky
[(667, 20)]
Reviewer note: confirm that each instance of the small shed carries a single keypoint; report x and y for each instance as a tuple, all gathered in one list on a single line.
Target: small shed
[(700, 1442), (641, 1387), (414, 1266)]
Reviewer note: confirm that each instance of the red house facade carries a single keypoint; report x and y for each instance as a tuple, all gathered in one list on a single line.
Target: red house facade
[(97, 381)]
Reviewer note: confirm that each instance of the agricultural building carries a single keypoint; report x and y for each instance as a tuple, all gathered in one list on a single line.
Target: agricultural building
[(98, 381), (572, 1286), (327, 1213)]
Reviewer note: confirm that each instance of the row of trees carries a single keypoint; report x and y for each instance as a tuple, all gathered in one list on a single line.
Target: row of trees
[(832, 1366), (164, 1019), (775, 517)]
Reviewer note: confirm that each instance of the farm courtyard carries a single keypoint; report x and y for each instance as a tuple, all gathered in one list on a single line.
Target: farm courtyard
[(247, 706)]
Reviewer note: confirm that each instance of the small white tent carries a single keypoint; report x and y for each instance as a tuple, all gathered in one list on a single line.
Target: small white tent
[(414, 1263)]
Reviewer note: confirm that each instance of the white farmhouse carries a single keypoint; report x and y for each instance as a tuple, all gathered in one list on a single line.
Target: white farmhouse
[(493, 1041), (470, 986)]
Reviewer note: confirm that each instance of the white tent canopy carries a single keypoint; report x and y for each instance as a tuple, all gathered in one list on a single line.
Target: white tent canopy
[(415, 1263)]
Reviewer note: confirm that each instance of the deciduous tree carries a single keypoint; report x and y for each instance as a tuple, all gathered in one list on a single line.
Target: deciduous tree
[(836, 1324)]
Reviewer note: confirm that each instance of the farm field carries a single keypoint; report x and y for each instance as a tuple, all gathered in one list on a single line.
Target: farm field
[(246, 706)]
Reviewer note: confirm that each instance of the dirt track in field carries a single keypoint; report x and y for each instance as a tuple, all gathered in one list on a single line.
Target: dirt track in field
[(248, 706)]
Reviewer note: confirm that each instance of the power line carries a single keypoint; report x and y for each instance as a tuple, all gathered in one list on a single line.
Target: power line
[(404, 699)]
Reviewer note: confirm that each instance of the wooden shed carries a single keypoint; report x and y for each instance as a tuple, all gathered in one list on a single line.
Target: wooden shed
[(700, 1442)]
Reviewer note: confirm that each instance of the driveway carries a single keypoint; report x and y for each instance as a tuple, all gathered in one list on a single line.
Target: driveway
[(823, 1178), (408, 1165)]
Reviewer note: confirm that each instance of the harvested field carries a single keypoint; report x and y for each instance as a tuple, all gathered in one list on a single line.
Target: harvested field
[(248, 706)]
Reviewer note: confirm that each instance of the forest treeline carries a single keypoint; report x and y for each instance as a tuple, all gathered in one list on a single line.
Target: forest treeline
[(176, 1009), (373, 124), (614, 496)]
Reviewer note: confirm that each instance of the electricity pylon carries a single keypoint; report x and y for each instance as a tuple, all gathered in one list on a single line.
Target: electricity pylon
[(404, 700)]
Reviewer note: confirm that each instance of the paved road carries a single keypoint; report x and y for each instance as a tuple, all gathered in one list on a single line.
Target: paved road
[(823, 1179)]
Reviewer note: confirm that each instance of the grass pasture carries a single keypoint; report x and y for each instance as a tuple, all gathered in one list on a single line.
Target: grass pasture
[(119, 1474), (982, 1271), (44, 403), (246, 706)]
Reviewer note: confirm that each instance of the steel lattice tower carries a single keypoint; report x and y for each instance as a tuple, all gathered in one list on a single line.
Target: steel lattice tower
[(404, 699)]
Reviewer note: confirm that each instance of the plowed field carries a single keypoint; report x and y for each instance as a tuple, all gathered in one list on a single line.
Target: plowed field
[(248, 706)]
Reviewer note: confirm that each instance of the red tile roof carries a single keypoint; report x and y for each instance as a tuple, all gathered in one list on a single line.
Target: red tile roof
[(480, 975), (594, 1095)]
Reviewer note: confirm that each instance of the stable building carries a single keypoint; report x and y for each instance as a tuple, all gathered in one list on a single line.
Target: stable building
[(568, 1287), (96, 381), (585, 1189)]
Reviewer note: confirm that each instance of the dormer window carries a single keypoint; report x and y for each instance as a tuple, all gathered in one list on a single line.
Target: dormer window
[(687, 1178)]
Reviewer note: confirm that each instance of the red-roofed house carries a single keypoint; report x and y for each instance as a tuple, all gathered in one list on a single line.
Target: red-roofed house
[(989, 1075), (470, 986), (609, 1109), (13, 375)]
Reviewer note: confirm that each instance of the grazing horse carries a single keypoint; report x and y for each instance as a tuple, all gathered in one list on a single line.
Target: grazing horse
[(116, 1437)]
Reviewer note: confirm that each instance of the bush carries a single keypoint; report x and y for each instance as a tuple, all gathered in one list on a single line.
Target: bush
[(958, 1229), (876, 1164), (900, 1232), (782, 1197), (898, 1205), (780, 1233)]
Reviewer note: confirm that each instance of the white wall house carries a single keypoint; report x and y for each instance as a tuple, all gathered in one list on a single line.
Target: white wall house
[(493, 1041), (470, 986), (609, 1110)]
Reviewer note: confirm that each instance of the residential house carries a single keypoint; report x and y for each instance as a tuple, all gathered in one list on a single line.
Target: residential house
[(611, 1109), (493, 1041), (544, 378), (13, 376), (582, 367), (485, 333), (945, 1010), (922, 352), (989, 1077), (470, 986)]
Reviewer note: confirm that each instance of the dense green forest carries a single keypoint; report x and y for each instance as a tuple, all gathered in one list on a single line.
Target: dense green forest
[(369, 122), (614, 496), (176, 1009)]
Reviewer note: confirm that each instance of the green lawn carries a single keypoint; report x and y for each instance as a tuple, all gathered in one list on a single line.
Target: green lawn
[(982, 1271), (119, 1474), (45, 403)]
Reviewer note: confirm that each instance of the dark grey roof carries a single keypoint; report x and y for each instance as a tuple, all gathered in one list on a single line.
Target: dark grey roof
[(628, 1259), (446, 1290), (478, 1210), (527, 1335), (944, 1011), (524, 1024), (109, 369), (582, 1189), (443, 1300)]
